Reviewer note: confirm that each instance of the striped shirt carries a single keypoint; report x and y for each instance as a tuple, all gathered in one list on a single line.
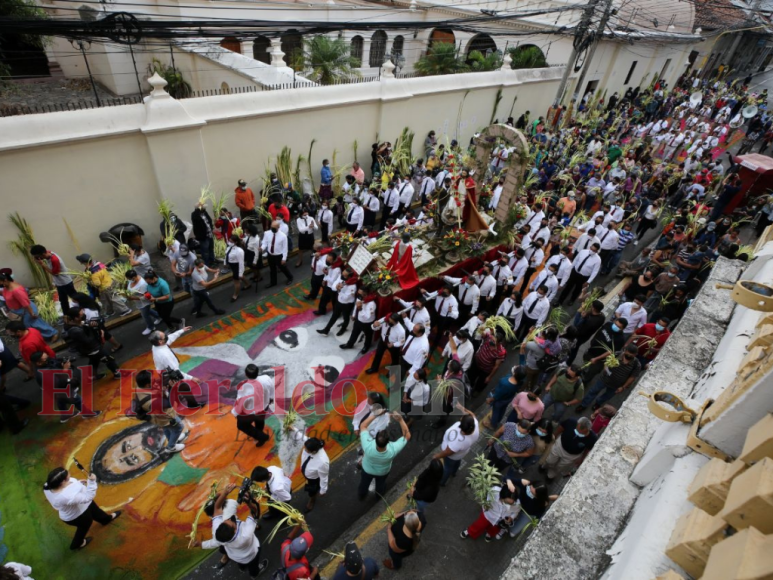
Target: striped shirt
[(625, 239), (488, 354)]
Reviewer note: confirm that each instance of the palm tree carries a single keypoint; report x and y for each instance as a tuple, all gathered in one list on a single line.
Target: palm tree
[(326, 59), (441, 59), (176, 85), (528, 56), (478, 62)]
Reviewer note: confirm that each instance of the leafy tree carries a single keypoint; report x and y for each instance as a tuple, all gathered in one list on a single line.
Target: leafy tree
[(441, 59), (528, 56), (176, 85), (326, 59), (478, 62), (19, 10)]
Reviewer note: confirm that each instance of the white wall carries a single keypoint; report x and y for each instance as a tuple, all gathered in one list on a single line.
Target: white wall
[(100, 167)]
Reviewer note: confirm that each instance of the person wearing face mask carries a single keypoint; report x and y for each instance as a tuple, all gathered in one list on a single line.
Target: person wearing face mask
[(325, 220), (200, 283), (612, 380), (315, 467), (414, 312), (245, 200), (362, 320), (503, 394), (644, 284), (533, 499), (392, 339), (547, 277), (512, 309), (503, 275), (306, 227), (488, 284), (534, 255), (585, 268), (446, 312), (275, 247), (502, 509), (415, 351), (634, 313), (510, 443), (574, 439), (469, 295), (608, 338), (564, 390), (331, 274), (650, 339), (346, 294), (182, 267), (536, 307), (355, 216)]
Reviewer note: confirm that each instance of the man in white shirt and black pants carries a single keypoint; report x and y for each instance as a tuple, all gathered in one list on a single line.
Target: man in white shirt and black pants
[(536, 307), (585, 268), (391, 205), (355, 217), (446, 310), (253, 401), (371, 205), (415, 351), (275, 247), (318, 265), (392, 339), (344, 304), (362, 321), (325, 220)]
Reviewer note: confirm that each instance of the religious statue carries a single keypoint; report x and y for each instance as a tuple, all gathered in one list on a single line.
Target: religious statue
[(461, 209), (401, 262)]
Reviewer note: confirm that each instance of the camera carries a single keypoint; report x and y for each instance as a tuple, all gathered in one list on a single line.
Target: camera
[(170, 376), (244, 490)]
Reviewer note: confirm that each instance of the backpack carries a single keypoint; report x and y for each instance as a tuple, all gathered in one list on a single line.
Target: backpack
[(284, 573), (549, 361), (138, 410)]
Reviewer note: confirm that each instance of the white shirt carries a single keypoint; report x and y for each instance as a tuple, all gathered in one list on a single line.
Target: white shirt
[(22, 571), (458, 442), (72, 500), (508, 309), (427, 186), (586, 263), (251, 401), (547, 278), (391, 200), (331, 278), (519, 269), (533, 219), (635, 319), (283, 227), (616, 214), (318, 266), (495, 197), (469, 293), (280, 245), (325, 216), (163, 357), (415, 316), (464, 350), (502, 274), (367, 313), (415, 351), (472, 326), (281, 485), (230, 507), (417, 391), (252, 243), (541, 307), (392, 334), (244, 546), (488, 287), (355, 216), (235, 255), (365, 410), (306, 225), (445, 306), (347, 293), (318, 467), (564, 267), (534, 256), (543, 234), (609, 240), (584, 242), (499, 510), (405, 191)]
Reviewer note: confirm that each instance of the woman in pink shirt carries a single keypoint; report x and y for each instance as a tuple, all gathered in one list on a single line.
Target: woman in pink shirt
[(526, 405)]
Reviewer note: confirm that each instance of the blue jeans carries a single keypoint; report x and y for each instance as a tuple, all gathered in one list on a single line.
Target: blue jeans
[(172, 434), (520, 522), (560, 408), (149, 316), (450, 467), (46, 330), (421, 505), (207, 251), (365, 480), (187, 284), (498, 409), (596, 391)]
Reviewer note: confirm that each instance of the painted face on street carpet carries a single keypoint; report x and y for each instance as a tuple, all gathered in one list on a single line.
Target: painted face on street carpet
[(159, 492)]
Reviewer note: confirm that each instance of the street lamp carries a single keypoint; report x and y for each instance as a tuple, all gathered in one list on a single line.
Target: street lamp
[(84, 45)]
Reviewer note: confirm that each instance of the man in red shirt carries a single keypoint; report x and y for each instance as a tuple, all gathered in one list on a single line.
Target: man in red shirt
[(294, 559), (649, 339), (245, 200), (279, 208), (30, 340)]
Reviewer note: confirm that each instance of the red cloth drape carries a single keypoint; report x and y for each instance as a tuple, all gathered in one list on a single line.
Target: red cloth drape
[(403, 267)]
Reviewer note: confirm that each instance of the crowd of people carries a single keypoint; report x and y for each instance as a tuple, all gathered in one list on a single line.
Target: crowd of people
[(647, 164)]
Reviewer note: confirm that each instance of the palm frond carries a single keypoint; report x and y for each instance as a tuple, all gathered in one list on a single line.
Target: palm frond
[(482, 477), (21, 247), (46, 306), (499, 323)]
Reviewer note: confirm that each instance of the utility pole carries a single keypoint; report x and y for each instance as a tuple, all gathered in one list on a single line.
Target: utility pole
[(579, 36), (592, 49)]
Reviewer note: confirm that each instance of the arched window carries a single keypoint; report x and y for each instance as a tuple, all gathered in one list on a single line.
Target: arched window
[(260, 48), (397, 49), (232, 44), (356, 50), (528, 56), (482, 43), (378, 49), (224, 88), (441, 35), (292, 44)]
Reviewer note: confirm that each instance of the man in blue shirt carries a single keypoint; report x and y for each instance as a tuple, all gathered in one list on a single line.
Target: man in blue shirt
[(326, 176)]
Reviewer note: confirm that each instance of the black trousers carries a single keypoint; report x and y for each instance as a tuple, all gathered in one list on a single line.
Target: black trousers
[(465, 312), (274, 264), (380, 350), (385, 215), (8, 415), (64, 292), (405, 368), (443, 323), (200, 298), (164, 310), (526, 279), (253, 567), (573, 287), (103, 355), (325, 232), (83, 523), (252, 426), (525, 326), (316, 285), (340, 311), (361, 328), (328, 296), (351, 227), (369, 219)]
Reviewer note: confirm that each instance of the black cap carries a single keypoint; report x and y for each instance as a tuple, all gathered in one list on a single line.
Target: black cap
[(352, 559)]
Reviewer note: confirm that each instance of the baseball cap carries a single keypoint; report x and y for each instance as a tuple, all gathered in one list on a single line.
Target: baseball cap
[(353, 559), (298, 547), (83, 258)]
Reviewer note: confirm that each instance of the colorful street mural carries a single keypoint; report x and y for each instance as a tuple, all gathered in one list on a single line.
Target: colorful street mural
[(160, 494)]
